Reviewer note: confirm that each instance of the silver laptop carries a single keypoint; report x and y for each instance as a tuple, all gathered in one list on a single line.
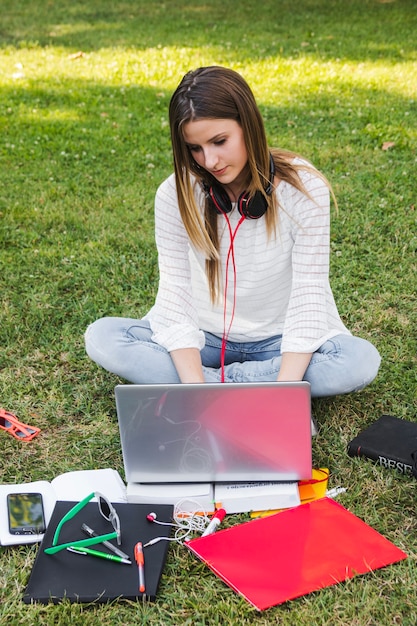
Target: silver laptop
[(216, 432)]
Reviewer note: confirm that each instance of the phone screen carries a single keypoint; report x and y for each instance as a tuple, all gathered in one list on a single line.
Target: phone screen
[(25, 512)]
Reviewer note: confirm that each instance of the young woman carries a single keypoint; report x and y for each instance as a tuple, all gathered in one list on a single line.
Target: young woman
[(242, 232)]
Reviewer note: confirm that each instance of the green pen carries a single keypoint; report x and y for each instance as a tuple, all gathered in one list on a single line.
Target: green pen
[(101, 555)]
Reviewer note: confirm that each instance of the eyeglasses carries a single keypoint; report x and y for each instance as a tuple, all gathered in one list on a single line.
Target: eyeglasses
[(107, 511), (18, 430)]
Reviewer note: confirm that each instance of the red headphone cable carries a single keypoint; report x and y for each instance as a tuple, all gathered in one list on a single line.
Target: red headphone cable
[(230, 255)]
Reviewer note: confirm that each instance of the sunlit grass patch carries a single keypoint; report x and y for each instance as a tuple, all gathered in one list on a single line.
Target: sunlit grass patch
[(84, 143)]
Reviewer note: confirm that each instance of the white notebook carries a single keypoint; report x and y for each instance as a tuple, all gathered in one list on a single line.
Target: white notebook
[(245, 497), (70, 486)]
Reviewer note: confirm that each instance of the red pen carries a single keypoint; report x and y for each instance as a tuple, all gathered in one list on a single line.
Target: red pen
[(141, 565)]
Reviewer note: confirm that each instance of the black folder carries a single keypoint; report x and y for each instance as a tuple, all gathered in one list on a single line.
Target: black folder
[(85, 578)]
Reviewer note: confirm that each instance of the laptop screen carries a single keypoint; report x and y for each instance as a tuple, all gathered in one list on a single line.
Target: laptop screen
[(215, 432)]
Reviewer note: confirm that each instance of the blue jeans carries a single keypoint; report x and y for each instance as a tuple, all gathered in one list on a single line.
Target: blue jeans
[(124, 347)]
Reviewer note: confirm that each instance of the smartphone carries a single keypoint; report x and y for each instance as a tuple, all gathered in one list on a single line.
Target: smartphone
[(25, 513)]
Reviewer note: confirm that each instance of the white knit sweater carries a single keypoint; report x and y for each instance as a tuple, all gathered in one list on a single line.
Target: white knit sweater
[(281, 287)]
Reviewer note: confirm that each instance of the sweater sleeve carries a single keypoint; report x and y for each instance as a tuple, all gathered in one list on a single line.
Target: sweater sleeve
[(307, 322), (173, 318)]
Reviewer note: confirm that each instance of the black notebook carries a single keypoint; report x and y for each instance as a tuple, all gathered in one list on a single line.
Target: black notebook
[(391, 442), (85, 578)]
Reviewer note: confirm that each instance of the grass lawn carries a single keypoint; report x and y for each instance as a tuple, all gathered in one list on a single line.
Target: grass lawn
[(84, 143)]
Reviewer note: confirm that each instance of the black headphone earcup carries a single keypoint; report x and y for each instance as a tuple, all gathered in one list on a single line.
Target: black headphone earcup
[(252, 208), (219, 200)]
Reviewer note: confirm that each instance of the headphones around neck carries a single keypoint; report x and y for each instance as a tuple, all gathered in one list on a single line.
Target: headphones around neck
[(249, 207)]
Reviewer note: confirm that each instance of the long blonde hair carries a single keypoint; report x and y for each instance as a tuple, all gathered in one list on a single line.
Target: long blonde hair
[(216, 92)]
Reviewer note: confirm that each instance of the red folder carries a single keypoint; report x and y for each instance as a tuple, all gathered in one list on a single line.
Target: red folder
[(274, 559)]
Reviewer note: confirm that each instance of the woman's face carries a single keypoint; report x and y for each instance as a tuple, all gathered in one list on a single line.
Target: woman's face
[(218, 146)]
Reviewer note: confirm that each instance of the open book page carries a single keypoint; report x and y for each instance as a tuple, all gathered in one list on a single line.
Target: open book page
[(71, 486), (74, 486)]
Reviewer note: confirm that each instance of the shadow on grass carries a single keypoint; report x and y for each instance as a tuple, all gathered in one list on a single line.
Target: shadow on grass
[(357, 30)]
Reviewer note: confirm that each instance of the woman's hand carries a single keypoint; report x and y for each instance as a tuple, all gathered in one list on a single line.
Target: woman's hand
[(188, 365), (293, 366)]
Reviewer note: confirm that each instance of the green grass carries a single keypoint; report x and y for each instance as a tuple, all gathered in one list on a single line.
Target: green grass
[(84, 143)]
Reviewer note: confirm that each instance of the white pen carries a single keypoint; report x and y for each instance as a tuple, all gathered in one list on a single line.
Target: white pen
[(332, 493), (215, 521), (92, 533)]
